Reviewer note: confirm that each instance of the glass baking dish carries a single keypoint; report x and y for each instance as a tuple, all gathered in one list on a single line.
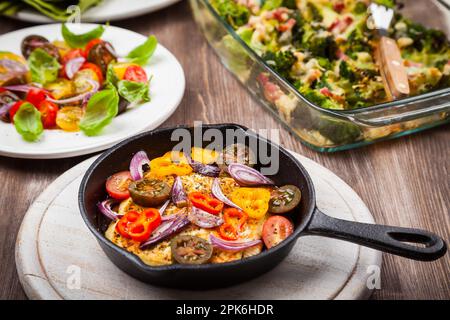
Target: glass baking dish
[(323, 129)]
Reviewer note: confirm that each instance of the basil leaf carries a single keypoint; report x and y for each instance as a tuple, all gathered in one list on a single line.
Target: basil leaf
[(100, 110), (111, 76), (27, 121), (44, 67), (134, 91), (80, 40), (142, 54)]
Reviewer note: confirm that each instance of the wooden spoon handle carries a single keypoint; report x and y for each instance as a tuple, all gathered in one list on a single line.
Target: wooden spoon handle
[(393, 70)]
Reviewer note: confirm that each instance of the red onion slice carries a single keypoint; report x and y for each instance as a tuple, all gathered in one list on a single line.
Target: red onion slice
[(232, 245), (247, 176), (105, 209), (203, 219), (217, 192), (164, 207), (179, 196), (136, 165), (95, 86), (13, 68), (21, 88), (73, 66), (167, 228), (204, 169)]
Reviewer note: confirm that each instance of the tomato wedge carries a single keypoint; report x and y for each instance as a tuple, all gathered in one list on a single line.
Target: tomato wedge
[(138, 226), (91, 44), (135, 73), (36, 95), (95, 68), (48, 111), (16, 106), (206, 202), (275, 230), (117, 185)]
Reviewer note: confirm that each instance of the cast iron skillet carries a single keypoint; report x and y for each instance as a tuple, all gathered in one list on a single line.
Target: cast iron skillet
[(307, 218)]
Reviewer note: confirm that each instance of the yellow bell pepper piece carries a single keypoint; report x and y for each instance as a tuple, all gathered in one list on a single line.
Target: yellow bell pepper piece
[(121, 67), (62, 46), (171, 163), (254, 201), (205, 156)]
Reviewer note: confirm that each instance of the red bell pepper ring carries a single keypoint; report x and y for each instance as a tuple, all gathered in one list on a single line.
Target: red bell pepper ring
[(206, 202), (138, 226)]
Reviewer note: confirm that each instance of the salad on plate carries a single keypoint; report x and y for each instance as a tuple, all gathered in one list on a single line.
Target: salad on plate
[(77, 83)]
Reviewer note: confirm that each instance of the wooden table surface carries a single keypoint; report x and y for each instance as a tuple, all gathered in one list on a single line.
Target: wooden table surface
[(404, 182)]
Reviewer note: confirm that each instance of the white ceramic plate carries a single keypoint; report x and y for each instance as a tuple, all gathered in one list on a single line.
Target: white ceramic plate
[(166, 91), (109, 10)]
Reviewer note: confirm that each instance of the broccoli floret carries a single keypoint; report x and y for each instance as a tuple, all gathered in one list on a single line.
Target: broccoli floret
[(441, 63), (435, 40), (280, 61), (360, 8), (338, 131), (298, 30), (313, 12), (346, 72), (290, 4), (324, 63), (235, 14), (273, 4), (430, 40), (357, 41), (325, 47)]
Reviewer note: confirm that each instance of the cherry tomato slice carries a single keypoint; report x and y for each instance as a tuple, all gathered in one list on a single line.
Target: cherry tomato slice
[(135, 73), (48, 111), (36, 95), (275, 230), (90, 45), (138, 226), (206, 202), (117, 185), (68, 118), (95, 68), (14, 109)]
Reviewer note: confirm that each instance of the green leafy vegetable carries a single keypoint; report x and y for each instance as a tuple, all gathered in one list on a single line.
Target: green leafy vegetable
[(134, 91), (54, 9), (111, 76), (28, 122), (273, 4), (235, 14), (80, 40), (101, 109), (44, 67), (142, 54)]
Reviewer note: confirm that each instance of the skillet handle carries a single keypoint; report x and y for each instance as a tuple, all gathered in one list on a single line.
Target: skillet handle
[(385, 238)]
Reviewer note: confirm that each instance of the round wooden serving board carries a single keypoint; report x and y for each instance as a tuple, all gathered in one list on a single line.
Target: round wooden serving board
[(58, 258)]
